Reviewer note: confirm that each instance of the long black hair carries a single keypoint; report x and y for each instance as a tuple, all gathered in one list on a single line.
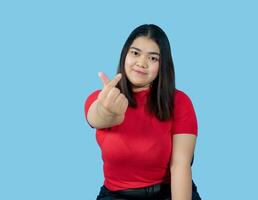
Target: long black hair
[(161, 98)]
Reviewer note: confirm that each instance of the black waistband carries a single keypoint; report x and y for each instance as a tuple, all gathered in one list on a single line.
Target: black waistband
[(149, 191), (159, 191)]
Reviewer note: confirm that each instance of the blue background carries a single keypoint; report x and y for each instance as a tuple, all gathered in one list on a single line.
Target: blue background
[(50, 54)]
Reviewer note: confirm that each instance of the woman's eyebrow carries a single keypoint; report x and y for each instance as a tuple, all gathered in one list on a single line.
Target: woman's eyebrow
[(147, 52)]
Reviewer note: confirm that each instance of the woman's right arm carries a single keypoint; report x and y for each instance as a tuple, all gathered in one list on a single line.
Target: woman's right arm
[(109, 108), (99, 117)]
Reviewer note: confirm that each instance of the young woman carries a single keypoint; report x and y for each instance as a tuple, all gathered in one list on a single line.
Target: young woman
[(146, 128)]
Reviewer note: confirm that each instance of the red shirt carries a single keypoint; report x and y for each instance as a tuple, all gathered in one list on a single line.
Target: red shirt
[(137, 152)]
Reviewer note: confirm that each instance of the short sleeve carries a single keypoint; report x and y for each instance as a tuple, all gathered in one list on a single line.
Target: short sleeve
[(91, 98), (185, 120)]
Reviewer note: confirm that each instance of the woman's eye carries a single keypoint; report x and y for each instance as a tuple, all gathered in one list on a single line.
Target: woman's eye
[(153, 59), (135, 53)]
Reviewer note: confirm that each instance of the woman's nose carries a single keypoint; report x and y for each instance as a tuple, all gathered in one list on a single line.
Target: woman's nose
[(141, 62)]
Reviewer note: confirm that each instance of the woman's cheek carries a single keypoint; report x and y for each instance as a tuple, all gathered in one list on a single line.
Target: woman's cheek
[(129, 62), (156, 70)]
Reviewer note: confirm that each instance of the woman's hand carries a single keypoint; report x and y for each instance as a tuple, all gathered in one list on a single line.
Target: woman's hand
[(110, 100)]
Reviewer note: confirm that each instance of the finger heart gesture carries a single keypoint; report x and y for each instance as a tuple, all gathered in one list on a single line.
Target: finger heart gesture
[(110, 98)]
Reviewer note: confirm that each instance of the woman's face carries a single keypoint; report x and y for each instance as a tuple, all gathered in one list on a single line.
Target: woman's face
[(142, 63)]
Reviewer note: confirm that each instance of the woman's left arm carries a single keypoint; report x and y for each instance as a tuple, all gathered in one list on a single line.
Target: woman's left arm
[(180, 166)]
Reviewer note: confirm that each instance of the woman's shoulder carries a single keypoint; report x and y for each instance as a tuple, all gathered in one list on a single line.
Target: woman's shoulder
[(180, 93), (181, 96), (92, 96)]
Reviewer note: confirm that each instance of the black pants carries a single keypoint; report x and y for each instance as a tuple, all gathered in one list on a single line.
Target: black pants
[(155, 192)]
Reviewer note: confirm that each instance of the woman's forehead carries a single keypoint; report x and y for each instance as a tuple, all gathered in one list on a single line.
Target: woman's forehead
[(145, 44)]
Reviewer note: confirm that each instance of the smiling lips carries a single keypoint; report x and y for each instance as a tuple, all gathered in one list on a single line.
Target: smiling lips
[(139, 72)]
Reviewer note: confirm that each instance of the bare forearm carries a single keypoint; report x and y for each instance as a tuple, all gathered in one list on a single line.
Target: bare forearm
[(181, 182), (99, 118)]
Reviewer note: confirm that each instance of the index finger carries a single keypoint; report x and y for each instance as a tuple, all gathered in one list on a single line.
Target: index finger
[(103, 78), (114, 81)]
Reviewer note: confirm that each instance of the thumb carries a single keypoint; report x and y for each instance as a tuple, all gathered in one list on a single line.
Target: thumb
[(105, 80)]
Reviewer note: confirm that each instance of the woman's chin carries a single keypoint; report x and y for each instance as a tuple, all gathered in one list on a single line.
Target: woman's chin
[(138, 87)]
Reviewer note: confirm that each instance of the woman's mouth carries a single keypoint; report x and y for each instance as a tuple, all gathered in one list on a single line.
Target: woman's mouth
[(139, 72)]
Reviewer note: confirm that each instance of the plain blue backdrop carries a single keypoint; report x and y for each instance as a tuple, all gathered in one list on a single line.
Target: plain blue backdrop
[(50, 54)]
